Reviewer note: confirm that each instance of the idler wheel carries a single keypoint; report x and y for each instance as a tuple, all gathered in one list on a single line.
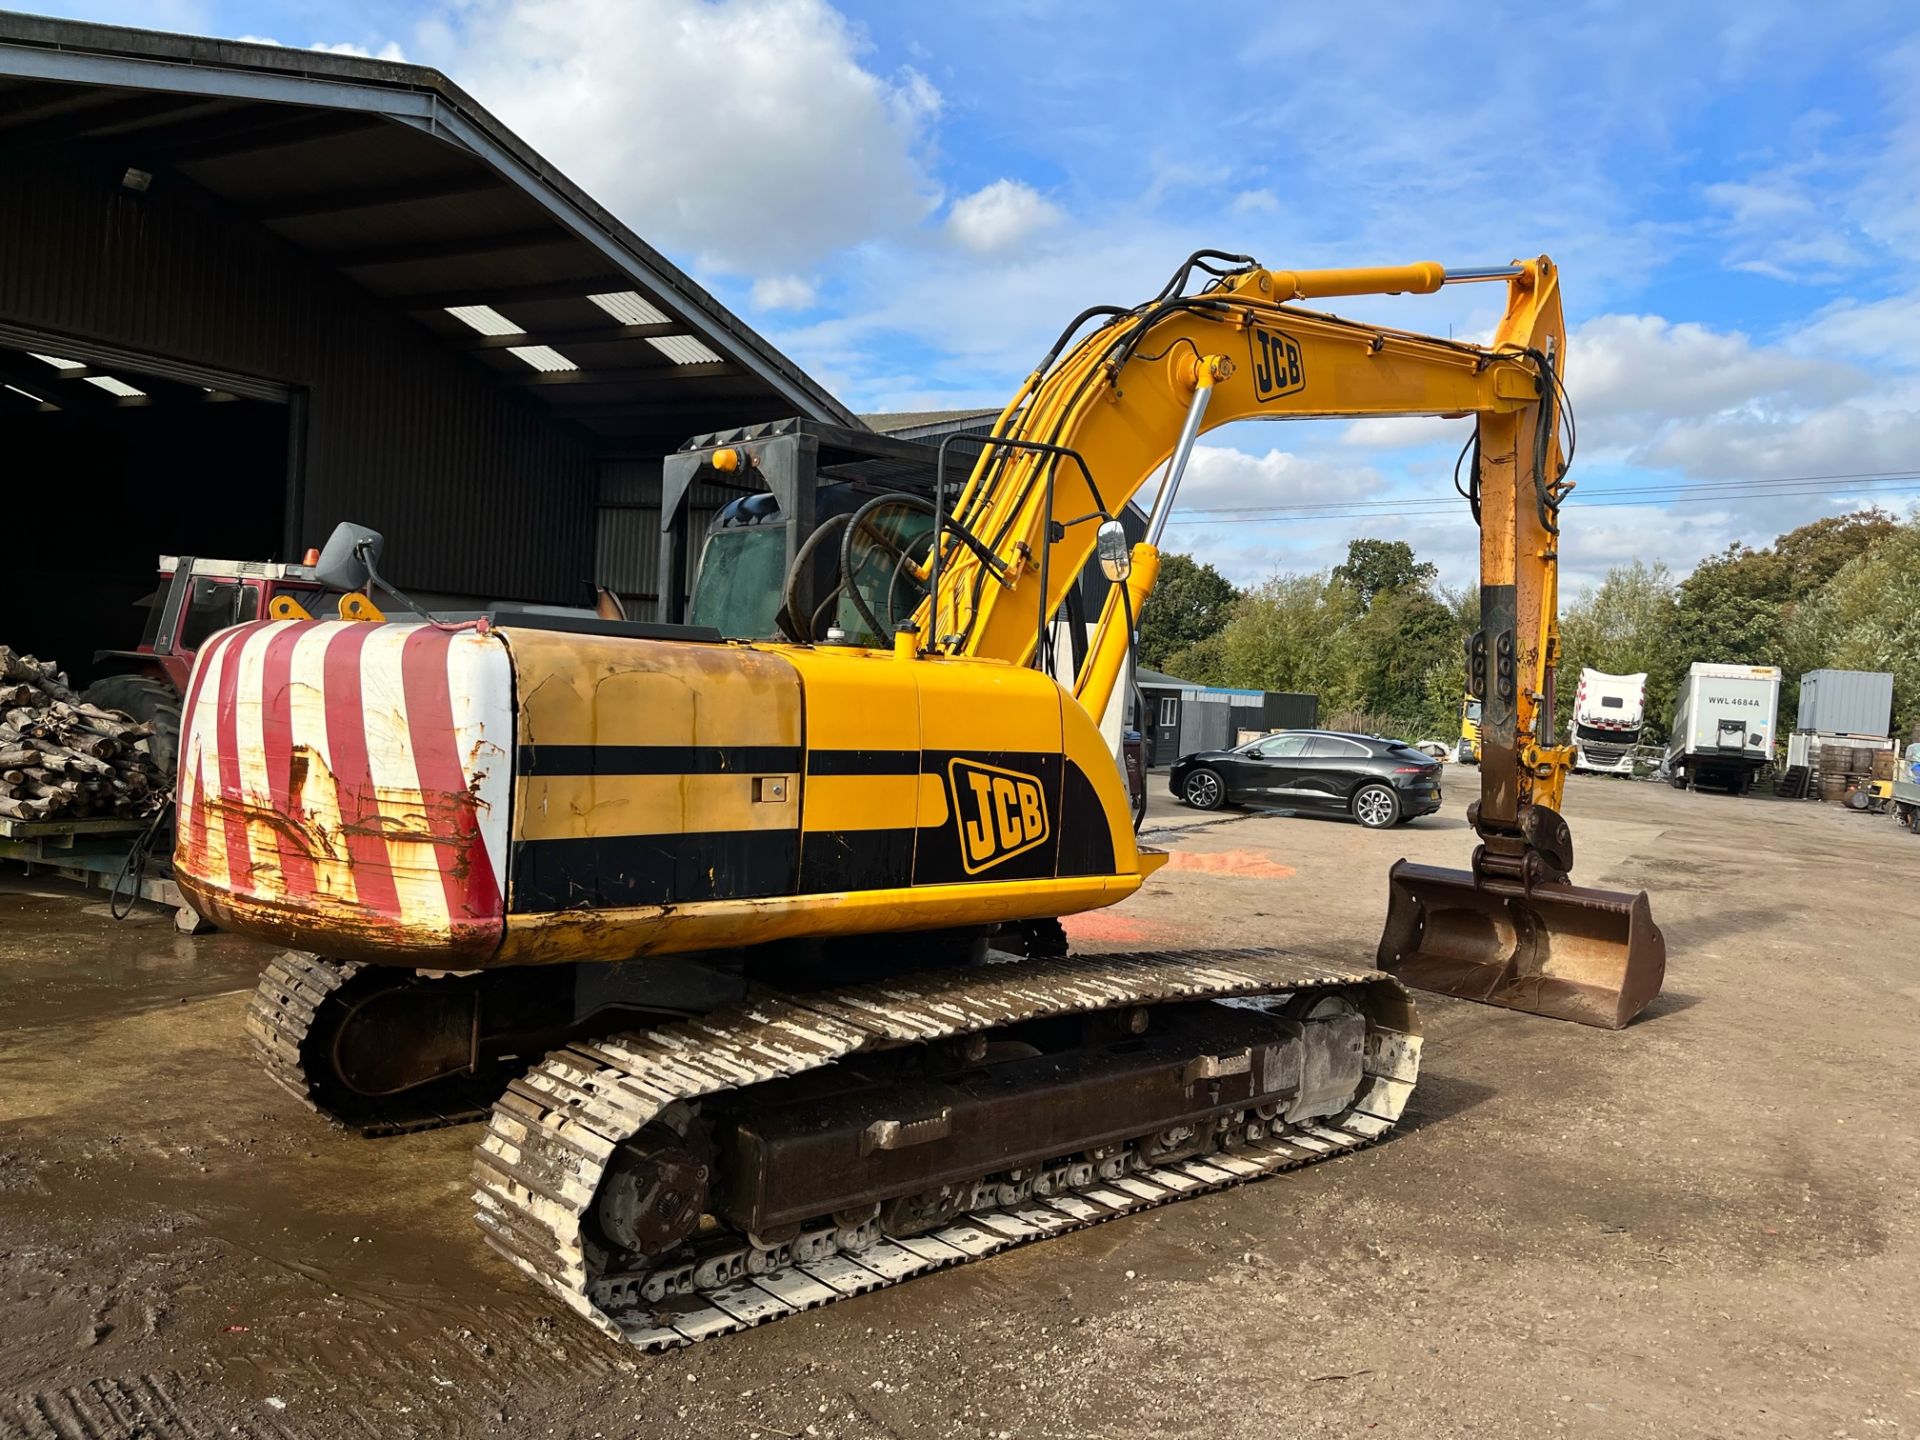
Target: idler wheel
[(657, 1186)]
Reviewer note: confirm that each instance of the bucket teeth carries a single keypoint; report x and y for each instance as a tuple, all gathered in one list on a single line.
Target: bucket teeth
[(1563, 951)]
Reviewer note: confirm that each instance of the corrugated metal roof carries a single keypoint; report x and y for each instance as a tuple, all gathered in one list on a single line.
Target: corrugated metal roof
[(393, 176), (920, 424)]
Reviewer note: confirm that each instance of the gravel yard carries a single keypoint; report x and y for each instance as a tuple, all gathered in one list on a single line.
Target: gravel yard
[(1703, 1225)]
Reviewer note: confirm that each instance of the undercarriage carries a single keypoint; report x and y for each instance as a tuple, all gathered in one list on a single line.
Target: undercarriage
[(754, 1151)]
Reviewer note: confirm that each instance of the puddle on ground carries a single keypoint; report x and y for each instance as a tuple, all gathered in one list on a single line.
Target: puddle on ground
[(62, 961)]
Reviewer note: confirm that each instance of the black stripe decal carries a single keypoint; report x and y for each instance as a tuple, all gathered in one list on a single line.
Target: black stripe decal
[(1086, 843), (608, 871), (863, 762), (832, 860), (658, 759)]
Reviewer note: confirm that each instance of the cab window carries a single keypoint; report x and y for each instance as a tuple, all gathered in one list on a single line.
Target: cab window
[(742, 582), (214, 605)]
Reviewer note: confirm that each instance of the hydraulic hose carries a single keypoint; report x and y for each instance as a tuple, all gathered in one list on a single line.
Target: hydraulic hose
[(788, 618)]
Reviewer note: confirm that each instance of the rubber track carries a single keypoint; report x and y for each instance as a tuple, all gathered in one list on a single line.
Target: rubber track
[(291, 992), (539, 1166)]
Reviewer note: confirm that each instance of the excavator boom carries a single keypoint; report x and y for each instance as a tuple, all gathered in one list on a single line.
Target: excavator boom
[(1100, 418)]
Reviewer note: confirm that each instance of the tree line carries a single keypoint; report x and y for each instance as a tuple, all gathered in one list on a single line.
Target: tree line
[(1382, 643)]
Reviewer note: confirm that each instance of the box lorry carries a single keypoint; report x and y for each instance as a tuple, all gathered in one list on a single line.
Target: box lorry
[(1723, 726), (1608, 713)]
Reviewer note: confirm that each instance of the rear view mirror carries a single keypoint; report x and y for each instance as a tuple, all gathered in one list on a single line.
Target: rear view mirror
[(351, 552), (1116, 555)]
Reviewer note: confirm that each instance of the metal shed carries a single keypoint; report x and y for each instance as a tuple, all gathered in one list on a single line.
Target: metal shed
[(246, 292)]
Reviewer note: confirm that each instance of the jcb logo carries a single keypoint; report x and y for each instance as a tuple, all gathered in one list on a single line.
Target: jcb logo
[(1001, 813), (1276, 364)]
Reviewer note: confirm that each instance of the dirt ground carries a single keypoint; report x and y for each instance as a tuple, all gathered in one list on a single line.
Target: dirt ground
[(1701, 1226)]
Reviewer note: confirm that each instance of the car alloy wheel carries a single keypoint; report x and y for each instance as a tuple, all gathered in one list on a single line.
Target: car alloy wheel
[(1203, 789), (1374, 807)]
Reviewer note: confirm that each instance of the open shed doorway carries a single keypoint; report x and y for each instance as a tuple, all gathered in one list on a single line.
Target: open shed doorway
[(110, 467)]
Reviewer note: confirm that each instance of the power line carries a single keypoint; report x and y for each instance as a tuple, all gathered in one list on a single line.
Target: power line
[(1722, 492), (1675, 487)]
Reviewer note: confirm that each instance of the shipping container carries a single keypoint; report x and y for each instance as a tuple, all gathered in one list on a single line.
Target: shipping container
[(1846, 702)]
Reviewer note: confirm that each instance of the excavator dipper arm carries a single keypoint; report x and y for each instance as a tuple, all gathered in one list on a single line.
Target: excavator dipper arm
[(1101, 417)]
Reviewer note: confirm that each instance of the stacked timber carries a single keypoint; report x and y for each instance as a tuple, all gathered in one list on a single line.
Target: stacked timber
[(64, 759)]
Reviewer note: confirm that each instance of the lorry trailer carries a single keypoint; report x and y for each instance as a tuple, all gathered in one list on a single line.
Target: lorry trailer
[(1723, 725)]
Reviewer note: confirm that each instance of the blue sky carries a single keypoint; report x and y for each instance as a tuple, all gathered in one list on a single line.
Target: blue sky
[(912, 198)]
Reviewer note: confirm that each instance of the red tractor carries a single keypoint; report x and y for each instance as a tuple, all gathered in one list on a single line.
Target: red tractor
[(195, 599)]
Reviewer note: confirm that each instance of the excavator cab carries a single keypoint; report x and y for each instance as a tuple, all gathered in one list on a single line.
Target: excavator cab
[(755, 532), (748, 514)]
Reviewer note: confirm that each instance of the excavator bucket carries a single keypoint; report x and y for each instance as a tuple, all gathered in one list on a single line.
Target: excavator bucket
[(1564, 951)]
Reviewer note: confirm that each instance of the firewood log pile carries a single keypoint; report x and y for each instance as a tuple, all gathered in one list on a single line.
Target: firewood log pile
[(63, 759)]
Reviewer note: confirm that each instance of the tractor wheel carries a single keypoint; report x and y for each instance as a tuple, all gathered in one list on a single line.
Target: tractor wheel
[(148, 698)]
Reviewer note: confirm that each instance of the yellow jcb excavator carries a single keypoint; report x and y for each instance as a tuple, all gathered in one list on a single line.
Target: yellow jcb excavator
[(778, 898)]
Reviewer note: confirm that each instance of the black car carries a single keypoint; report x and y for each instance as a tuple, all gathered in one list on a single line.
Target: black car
[(1378, 782)]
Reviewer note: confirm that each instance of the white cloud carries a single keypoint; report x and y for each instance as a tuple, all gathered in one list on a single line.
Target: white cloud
[(1594, 539), (389, 51), (1660, 403), (1718, 404), (999, 216), (987, 321), (1774, 226), (784, 292), (1626, 372), (1224, 479), (1218, 476), (1887, 201), (1399, 432), (1881, 330), (1712, 404), (1765, 201), (747, 133), (1835, 440)]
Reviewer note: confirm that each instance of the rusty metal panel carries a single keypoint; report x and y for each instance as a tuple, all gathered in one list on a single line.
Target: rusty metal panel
[(345, 787)]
